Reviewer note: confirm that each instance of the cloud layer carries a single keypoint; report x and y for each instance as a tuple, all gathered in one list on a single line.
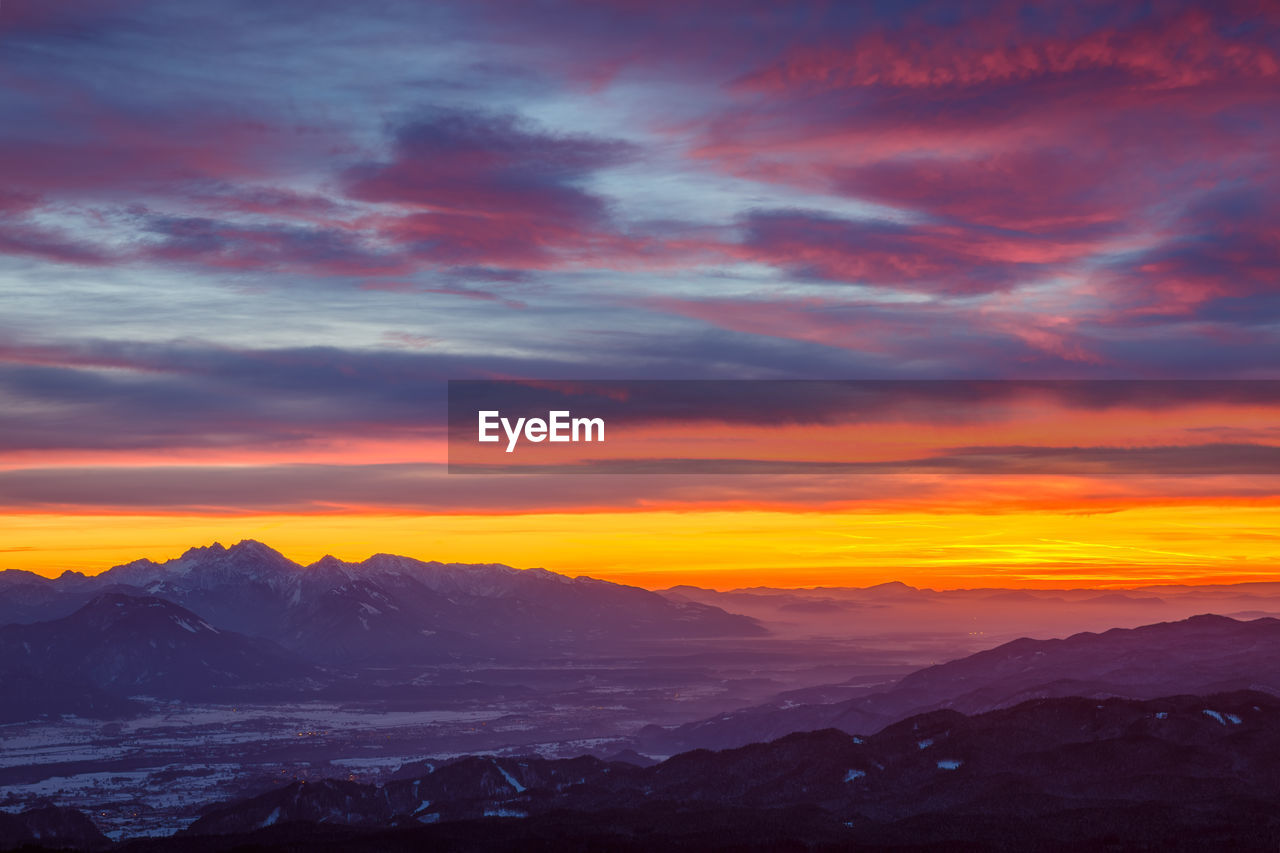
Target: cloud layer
[(233, 231)]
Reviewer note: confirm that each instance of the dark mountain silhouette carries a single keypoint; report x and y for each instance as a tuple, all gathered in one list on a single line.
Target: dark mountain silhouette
[(119, 645), (1202, 654), (28, 597), (50, 828), (1074, 772), (387, 609)]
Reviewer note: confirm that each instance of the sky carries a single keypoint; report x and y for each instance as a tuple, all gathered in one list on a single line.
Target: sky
[(244, 245)]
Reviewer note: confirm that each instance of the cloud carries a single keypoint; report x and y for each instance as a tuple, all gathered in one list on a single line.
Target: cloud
[(21, 239), (156, 396), (397, 488), (296, 223), (921, 257), (482, 189), (1219, 260), (1051, 193), (272, 248), (1185, 49), (1014, 143)]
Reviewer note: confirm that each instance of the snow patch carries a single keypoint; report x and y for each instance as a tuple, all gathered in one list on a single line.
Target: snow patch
[(505, 813), (926, 743), (1223, 718), (949, 764), (854, 774), (511, 780)]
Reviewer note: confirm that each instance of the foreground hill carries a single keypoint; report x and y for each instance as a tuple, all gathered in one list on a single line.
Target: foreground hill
[(1050, 773), (1203, 654), (386, 609), (52, 827)]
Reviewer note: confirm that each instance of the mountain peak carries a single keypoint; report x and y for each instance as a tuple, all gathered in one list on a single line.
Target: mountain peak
[(892, 586), (110, 609), (1210, 619), (203, 551), (252, 548), (246, 551)]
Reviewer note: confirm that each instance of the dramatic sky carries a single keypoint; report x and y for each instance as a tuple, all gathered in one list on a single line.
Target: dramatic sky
[(244, 244)]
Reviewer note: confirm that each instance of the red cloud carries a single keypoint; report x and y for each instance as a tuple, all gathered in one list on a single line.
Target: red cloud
[(482, 189), (926, 257), (1185, 51)]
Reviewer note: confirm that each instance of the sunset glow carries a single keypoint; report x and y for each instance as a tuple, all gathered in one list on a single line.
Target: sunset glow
[(233, 295), (1187, 542)]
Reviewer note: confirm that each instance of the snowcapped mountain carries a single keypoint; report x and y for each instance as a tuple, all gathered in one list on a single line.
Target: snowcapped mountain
[(241, 588), (210, 567), (386, 609)]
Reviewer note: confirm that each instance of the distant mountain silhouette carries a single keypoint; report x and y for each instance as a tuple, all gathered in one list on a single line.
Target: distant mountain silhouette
[(1072, 772), (120, 645), (386, 609), (1203, 654)]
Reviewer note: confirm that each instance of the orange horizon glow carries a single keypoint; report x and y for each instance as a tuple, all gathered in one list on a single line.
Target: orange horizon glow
[(717, 548), (821, 529)]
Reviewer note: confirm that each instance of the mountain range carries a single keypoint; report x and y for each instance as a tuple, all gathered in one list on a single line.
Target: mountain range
[(1203, 654), (218, 619), (1061, 773), (340, 612)]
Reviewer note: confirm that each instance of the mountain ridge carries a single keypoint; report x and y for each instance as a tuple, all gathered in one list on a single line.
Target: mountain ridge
[(1029, 767), (1204, 653), (386, 609)]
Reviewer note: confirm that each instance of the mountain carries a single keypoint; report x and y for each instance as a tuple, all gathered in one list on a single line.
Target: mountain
[(388, 609), (1203, 654), (119, 645), (1063, 773), (244, 588), (28, 597), (50, 828), (237, 587), (971, 620), (418, 611)]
